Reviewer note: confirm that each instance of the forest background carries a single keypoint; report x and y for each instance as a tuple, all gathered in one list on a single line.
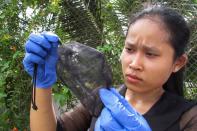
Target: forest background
[(101, 24)]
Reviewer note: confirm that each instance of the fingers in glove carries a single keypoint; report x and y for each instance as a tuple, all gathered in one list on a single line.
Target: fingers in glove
[(98, 125), (51, 37), (54, 41), (119, 111), (40, 40), (32, 47), (32, 59), (123, 100), (140, 123), (108, 123)]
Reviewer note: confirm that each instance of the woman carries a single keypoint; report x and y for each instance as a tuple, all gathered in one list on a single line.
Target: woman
[(152, 61)]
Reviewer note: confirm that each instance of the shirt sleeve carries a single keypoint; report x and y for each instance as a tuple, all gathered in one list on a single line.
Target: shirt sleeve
[(78, 119), (189, 120)]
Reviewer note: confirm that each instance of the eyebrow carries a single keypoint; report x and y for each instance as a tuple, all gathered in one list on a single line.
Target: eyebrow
[(147, 48)]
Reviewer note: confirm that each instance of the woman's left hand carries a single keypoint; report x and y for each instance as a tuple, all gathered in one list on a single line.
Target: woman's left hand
[(118, 114)]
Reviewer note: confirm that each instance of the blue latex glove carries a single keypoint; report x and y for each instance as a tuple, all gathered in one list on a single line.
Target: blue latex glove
[(41, 49), (118, 115)]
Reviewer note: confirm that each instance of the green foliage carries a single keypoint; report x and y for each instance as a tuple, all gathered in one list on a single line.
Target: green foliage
[(112, 53), (62, 94), (15, 84)]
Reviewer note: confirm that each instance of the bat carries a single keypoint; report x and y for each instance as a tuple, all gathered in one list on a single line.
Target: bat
[(84, 71)]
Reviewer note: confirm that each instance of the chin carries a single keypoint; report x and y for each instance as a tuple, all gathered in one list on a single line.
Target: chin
[(134, 88)]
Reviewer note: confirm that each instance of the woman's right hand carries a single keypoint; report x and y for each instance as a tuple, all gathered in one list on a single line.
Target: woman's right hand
[(41, 49)]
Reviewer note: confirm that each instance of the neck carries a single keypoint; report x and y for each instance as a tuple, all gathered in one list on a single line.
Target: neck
[(143, 101)]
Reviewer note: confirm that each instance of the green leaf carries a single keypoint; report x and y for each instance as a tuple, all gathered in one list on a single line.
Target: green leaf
[(195, 1), (17, 54), (2, 95), (2, 16), (5, 66)]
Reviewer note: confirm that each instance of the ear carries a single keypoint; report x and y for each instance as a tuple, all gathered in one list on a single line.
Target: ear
[(180, 62)]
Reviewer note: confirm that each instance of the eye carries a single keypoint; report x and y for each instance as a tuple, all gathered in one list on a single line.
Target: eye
[(129, 49), (150, 54)]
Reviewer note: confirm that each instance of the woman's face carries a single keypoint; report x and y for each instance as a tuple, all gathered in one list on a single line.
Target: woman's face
[(147, 57)]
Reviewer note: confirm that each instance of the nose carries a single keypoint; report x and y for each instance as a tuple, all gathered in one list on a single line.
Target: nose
[(136, 62)]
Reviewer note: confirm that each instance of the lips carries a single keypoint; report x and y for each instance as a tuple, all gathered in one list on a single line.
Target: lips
[(133, 78)]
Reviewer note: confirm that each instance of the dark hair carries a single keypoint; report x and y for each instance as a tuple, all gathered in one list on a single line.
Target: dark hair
[(179, 34)]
